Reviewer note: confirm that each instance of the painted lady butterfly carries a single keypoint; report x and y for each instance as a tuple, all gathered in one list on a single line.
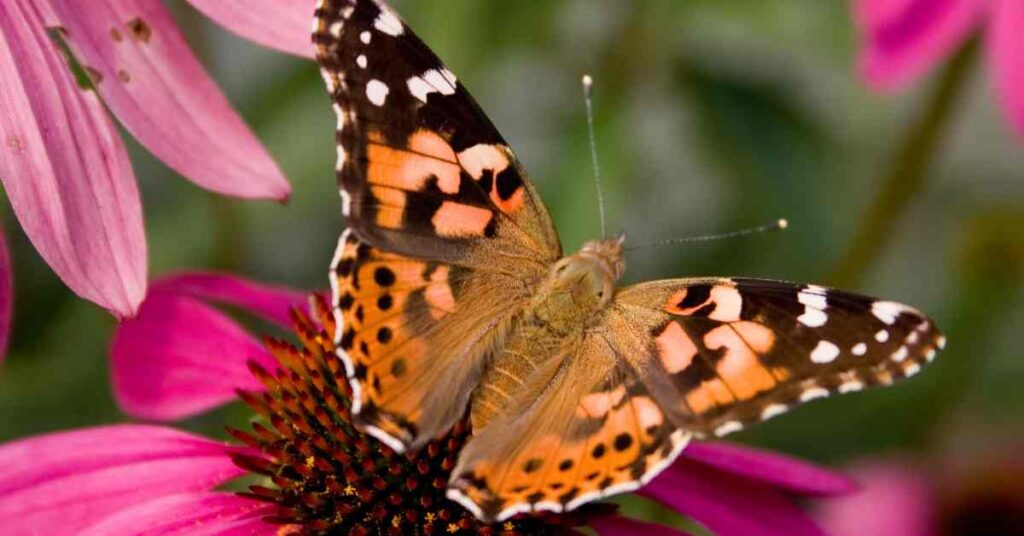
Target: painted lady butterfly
[(451, 291)]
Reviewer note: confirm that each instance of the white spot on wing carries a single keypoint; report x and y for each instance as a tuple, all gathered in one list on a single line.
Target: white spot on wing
[(440, 81), (850, 386), (365, 37), (387, 22), (772, 411), (859, 349), (824, 352), (340, 161), (449, 77), (335, 29), (887, 311), (813, 318), (419, 88), (899, 355), (813, 393), (361, 61), (813, 298), (346, 203), (376, 92), (912, 369), (728, 428), (882, 335)]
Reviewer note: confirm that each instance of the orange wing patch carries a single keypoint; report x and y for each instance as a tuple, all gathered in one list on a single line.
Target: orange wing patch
[(719, 302), (427, 155), (458, 220), (675, 348), (560, 470), (379, 325)]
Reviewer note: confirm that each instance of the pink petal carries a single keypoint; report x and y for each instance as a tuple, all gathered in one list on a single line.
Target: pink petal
[(64, 168), (285, 25), (273, 303), (163, 96), (180, 357), (73, 479), (6, 296), (1006, 54), (900, 503), (771, 468), (617, 525), (192, 514), (903, 39), (728, 505)]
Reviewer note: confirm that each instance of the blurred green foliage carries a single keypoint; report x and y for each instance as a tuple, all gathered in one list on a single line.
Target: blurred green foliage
[(711, 115)]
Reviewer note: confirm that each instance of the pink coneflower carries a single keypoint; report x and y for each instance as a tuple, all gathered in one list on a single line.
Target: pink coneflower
[(180, 356), (977, 493), (904, 39), (62, 162)]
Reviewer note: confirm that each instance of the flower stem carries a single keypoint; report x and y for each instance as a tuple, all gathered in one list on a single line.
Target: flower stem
[(907, 172)]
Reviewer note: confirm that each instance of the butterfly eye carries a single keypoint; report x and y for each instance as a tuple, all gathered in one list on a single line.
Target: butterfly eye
[(561, 269)]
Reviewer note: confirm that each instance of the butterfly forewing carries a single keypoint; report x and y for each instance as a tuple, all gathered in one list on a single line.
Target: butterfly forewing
[(422, 171), (743, 350)]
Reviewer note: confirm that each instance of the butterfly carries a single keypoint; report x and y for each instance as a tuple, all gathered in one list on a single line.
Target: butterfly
[(452, 294)]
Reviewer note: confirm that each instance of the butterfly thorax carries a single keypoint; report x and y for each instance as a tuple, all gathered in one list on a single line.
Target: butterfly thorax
[(577, 287)]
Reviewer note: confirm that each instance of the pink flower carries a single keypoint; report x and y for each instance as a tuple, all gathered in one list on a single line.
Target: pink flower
[(180, 356), (903, 39), (969, 493), (62, 161)]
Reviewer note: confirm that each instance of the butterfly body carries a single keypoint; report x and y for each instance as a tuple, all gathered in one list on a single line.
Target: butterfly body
[(565, 306), (452, 296)]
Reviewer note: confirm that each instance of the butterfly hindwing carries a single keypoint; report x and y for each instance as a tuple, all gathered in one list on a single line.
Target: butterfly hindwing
[(743, 350), (413, 335), (422, 170), (582, 428)]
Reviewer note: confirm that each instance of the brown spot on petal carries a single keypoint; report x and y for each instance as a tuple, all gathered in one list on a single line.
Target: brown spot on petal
[(115, 34), (140, 30), (124, 76), (94, 76), (17, 146)]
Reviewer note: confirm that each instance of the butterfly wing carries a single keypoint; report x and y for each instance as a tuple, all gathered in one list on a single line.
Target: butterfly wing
[(675, 359), (446, 234), (594, 430), (721, 353), (422, 170)]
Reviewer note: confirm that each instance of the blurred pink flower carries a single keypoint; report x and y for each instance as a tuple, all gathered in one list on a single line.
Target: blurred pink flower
[(180, 356), (903, 39), (899, 498), (976, 493), (64, 166)]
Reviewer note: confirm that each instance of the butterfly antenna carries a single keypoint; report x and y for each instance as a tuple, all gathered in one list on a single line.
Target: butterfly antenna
[(777, 225), (588, 93)]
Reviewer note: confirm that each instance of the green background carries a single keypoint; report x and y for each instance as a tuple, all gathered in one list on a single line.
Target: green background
[(711, 115)]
